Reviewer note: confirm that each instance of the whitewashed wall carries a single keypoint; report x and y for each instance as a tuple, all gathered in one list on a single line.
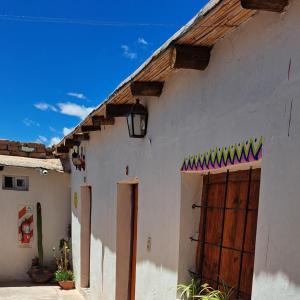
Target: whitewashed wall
[(53, 192), (245, 92)]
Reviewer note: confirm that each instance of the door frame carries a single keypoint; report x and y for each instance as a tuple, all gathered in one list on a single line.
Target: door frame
[(133, 242)]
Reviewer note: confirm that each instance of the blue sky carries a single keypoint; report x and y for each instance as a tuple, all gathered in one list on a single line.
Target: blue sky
[(61, 58)]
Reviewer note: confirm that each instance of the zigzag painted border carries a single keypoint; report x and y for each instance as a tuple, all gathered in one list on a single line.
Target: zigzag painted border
[(247, 151)]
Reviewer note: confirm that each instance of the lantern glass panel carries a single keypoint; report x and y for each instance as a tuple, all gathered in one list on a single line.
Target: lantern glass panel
[(143, 124), (137, 129), (129, 123)]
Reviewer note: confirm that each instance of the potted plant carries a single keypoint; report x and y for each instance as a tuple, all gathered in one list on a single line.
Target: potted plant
[(65, 279), (64, 275), (38, 272), (196, 290)]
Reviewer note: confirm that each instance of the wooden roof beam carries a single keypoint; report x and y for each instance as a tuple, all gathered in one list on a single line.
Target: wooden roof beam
[(62, 149), (88, 128), (101, 120), (190, 57), (81, 136), (269, 5), (118, 110), (70, 143), (146, 88)]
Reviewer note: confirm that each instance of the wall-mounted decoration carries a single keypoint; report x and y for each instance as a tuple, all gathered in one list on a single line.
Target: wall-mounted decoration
[(78, 158), (25, 225), (75, 200), (246, 151)]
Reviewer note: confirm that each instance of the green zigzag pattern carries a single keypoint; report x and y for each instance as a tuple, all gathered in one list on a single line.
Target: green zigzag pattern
[(249, 151)]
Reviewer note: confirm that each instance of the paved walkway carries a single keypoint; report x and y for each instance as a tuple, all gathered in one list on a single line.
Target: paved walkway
[(27, 291)]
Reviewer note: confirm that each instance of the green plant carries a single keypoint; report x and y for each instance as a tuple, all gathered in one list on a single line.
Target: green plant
[(208, 293), (39, 233), (189, 291), (63, 260), (196, 290), (63, 275)]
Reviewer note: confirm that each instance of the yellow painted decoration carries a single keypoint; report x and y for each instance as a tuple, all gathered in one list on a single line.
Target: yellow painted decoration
[(75, 200)]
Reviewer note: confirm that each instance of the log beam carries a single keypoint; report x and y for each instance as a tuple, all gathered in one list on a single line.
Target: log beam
[(118, 110), (70, 143), (87, 128), (190, 57), (146, 88), (81, 137), (101, 120), (62, 149), (269, 5)]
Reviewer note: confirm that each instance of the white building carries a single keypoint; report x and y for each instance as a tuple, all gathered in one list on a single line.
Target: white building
[(26, 181), (132, 204)]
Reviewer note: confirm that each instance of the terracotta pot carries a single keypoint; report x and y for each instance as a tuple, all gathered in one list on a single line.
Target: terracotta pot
[(40, 274), (67, 285)]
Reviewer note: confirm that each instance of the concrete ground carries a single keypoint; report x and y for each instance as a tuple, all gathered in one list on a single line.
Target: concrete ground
[(28, 291)]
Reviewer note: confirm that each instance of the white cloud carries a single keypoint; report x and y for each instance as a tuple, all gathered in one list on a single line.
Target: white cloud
[(66, 130), (128, 53), (125, 48), (142, 41), (73, 109), (52, 129), (54, 140), (45, 106), (29, 122), (41, 139), (77, 95)]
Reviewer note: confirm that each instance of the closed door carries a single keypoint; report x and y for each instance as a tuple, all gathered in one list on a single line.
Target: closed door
[(133, 246), (227, 231), (127, 217), (85, 236)]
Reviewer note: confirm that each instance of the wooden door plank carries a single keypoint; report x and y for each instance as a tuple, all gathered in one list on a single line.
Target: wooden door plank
[(214, 225), (237, 192), (230, 263), (211, 262), (247, 273), (233, 229), (134, 217), (250, 238), (237, 196)]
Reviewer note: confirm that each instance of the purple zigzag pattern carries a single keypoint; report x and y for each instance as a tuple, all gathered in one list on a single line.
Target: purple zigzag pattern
[(253, 155)]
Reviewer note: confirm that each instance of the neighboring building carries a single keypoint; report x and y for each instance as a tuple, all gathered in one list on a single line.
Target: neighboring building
[(25, 181), (137, 227)]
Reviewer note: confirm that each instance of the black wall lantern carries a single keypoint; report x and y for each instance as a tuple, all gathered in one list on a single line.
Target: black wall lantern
[(78, 159), (137, 120)]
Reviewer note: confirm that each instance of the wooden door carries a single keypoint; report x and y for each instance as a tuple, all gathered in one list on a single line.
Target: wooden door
[(133, 242), (227, 231), (85, 236)]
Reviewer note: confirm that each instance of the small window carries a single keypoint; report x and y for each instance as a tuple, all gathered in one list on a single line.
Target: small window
[(8, 182), (18, 183)]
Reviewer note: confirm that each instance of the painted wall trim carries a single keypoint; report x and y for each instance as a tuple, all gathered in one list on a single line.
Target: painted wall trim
[(244, 152)]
